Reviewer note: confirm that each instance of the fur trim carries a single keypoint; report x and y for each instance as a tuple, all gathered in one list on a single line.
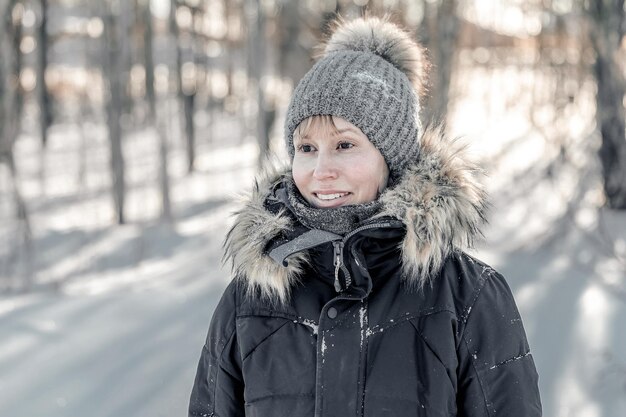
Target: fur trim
[(245, 243), (385, 39), (441, 203), (439, 199)]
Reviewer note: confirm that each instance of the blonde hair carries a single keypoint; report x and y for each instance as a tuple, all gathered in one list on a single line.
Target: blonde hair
[(314, 124)]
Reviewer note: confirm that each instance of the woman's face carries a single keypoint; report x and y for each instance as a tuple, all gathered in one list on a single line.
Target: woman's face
[(335, 164)]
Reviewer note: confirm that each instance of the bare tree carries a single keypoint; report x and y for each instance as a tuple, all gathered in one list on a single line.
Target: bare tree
[(11, 99), (186, 92), (16, 70), (294, 59), (156, 123), (440, 35), (114, 105), (43, 98), (607, 29), (255, 18)]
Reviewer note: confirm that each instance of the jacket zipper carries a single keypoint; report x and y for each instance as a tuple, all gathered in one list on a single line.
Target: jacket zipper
[(338, 255), (338, 246)]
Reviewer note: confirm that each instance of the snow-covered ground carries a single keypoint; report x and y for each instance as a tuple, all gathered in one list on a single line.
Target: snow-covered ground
[(117, 316), (563, 255)]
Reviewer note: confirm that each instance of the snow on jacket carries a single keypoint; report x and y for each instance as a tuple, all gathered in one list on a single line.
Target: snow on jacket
[(393, 319)]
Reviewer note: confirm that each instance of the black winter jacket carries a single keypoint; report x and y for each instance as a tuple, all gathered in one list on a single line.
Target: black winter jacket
[(393, 319)]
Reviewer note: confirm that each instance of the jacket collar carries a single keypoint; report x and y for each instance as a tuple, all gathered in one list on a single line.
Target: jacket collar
[(438, 199)]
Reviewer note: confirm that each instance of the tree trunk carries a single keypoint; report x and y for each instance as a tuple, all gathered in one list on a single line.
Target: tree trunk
[(149, 60), (14, 99), (43, 98), (164, 179), (11, 95), (114, 112), (190, 131), (5, 87), (157, 123), (186, 93), (443, 27), (607, 31), (125, 20), (256, 66), (294, 59), (10, 115), (18, 103), (610, 119), (24, 233)]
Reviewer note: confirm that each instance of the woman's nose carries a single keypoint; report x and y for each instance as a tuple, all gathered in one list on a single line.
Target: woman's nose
[(325, 167)]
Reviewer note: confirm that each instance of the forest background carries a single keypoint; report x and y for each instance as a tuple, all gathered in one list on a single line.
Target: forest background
[(128, 128)]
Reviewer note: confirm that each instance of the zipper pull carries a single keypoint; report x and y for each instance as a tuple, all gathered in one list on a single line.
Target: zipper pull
[(338, 249)]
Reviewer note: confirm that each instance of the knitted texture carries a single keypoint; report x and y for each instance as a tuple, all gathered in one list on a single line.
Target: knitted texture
[(370, 75), (340, 220)]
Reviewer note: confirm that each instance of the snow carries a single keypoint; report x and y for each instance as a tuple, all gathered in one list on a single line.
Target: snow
[(309, 323), (126, 354), (363, 321), (562, 254), (116, 316), (516, 358)]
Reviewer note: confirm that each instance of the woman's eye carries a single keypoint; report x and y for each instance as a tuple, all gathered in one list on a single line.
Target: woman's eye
[(305, 148), (345, 145)]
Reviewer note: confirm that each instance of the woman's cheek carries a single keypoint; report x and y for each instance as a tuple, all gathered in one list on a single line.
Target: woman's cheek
[(301, 171)]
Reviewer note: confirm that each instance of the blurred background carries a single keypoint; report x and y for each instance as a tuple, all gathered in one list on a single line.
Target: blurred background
[(128, 129)]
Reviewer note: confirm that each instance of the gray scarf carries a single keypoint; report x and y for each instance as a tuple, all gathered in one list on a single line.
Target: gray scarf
[(339, 220)]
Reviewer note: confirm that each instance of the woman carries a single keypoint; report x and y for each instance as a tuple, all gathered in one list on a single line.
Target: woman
[(352, 295)]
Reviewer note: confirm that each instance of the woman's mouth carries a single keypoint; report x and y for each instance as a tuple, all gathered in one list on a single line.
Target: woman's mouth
[(328, 197), (331, 199)]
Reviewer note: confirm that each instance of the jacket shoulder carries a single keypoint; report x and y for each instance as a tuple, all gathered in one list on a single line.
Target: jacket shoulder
[(461, 282), (480, 284), (223, 321)]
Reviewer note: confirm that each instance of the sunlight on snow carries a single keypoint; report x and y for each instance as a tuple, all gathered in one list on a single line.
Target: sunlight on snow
[(582, 370)]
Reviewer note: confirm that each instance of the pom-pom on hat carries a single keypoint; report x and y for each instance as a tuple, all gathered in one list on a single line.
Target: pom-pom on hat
[(371, 73)]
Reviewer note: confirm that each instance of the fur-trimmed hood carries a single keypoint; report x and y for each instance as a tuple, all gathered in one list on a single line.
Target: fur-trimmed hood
[(439, 199)]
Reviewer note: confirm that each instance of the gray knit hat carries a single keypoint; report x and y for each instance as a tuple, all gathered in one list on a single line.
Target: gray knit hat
[(371, 73)]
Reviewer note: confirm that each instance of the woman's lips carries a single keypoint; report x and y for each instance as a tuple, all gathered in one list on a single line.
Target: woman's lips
[(331, 199), (330, 196)]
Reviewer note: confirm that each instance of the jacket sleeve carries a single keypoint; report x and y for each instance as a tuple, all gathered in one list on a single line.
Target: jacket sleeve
[(218, 387), (497, 375)]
